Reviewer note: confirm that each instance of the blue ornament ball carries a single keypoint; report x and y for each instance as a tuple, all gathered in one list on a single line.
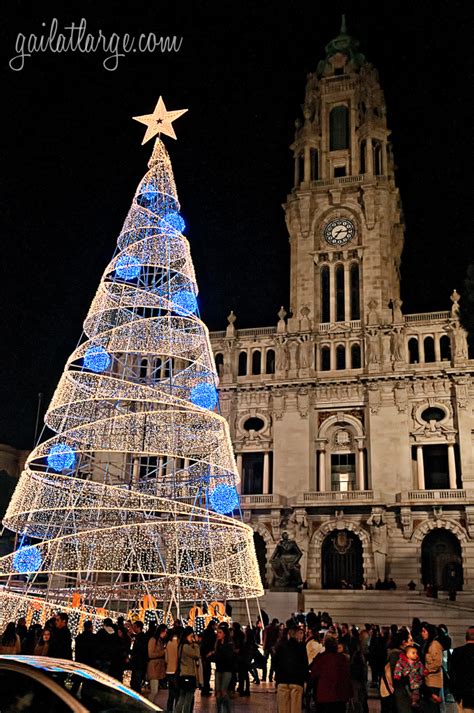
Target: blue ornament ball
[(185, 302), (60, 457), (27, 559), (224, 499), (127, 267), (97, 359), (204, 395), (175, 220)]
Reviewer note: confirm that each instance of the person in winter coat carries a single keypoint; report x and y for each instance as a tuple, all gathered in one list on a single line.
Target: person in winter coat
[(107, 647), (156, 669), (461, 668), (138, 657), (61, 639), (432, 657), (291, 671), (224, 661), (171, 659), (400, 700), (331, 679), (42, 647), (10, 642), (188, 657), (208, 642)]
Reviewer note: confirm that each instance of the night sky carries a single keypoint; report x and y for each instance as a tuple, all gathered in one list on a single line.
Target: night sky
[(72, 158)]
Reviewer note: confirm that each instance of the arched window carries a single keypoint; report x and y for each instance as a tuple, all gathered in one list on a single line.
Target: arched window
[(445, 347), (377, 158), (256, 362), (243, 364), (270, 361), (339, 277), (414, 357), (340, 356), (325, 359), (314, 165), (362, 153), (356, 361), (354, 290), (339, 128), (143, 368), (428, 345), (219, 360), (325, 312)]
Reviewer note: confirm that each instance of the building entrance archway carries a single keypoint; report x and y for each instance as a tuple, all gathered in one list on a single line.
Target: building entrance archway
[(441, 560), (341, 560)]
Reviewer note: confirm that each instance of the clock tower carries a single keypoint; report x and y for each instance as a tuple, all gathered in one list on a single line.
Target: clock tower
[(343, 214)]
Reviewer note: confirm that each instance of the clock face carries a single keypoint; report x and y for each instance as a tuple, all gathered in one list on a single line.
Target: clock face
[(339, 231)]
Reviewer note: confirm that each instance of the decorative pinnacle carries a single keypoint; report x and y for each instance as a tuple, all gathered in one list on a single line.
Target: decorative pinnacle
[(343, 29), (160, 122)]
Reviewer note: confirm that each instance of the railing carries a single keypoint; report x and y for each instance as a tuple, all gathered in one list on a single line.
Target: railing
[(327, 326), (256, 331), (427, 316), (339, 496), (272, 499), (350, 179), (333, 84), (423, 495)]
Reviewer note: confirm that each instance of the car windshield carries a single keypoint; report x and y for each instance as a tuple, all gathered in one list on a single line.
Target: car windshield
[(96, 691)]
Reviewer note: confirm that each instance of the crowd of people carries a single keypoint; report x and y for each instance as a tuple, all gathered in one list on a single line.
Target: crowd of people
[(313, 661)]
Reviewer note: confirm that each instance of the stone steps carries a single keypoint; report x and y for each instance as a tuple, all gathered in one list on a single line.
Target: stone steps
[(378, 607)]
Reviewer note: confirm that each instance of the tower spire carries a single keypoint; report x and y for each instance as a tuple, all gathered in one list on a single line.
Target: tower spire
[(343, 30)]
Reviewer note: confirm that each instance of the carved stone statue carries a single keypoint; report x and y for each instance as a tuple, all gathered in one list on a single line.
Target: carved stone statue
[(397, 345), (397, 315), (285, 564), (455, 297), (379, 538), (281, 357), (373, 349), (459, 342), (293, 349), (300, 530), (281, 326), (306, 349), (230, 331)]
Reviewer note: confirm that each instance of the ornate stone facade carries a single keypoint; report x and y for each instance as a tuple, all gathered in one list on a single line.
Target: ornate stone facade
[(349, 411)]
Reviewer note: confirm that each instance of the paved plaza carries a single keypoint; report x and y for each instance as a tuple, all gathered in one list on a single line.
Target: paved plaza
[(261, 700)]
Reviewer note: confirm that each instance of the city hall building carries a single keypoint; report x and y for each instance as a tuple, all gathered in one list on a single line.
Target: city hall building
[(352, 421)]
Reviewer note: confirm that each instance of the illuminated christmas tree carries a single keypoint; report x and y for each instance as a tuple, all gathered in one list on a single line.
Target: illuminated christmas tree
[(134, 496)]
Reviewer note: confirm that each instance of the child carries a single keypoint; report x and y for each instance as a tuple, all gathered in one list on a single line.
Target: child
[(410, 667)]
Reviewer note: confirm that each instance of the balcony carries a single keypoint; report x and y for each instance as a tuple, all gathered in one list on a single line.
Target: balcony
[(339, 496), (262, 501), (434, 496)]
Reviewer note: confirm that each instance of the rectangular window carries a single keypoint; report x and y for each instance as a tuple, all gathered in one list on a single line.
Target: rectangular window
[(343, 471), (252, 473), (435, 460)]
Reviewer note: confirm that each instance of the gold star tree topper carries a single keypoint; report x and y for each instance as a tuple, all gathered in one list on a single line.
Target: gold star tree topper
[(160, 122)]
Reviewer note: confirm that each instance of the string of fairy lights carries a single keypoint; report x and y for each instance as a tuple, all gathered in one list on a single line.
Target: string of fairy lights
[(134, 494)]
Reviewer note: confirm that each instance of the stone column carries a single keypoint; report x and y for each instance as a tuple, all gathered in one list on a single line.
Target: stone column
[(452, 467), (266, 473), (307, 164), (360, 470), (384, 157), (297, 171), (322, 472), (239, 468), (421, 349), (370, 157), (437, 348), (420, 467)]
